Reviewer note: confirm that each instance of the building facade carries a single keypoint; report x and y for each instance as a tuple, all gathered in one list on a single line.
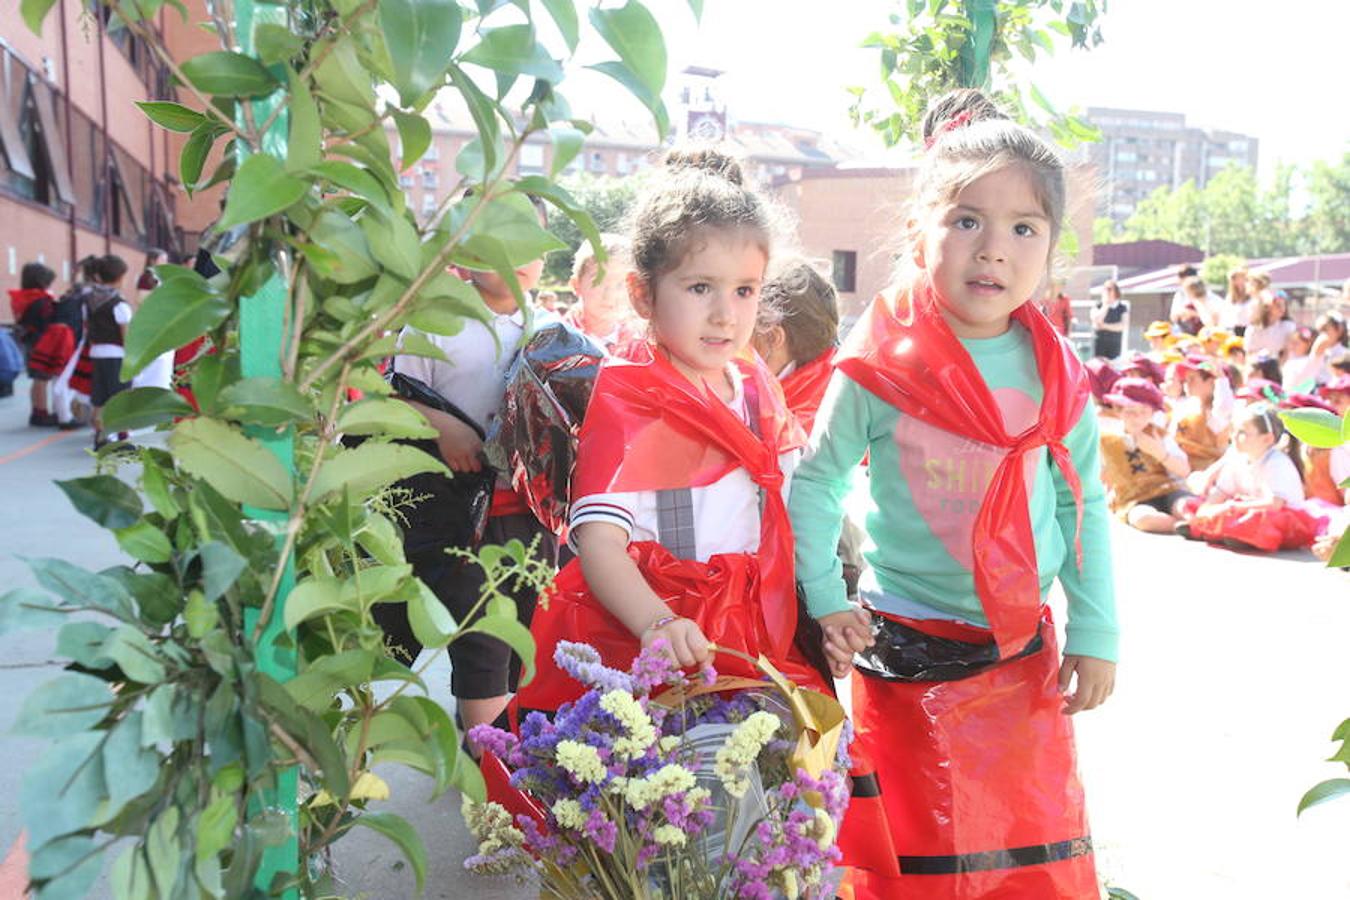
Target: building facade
[(1143, 150), (83, 171)]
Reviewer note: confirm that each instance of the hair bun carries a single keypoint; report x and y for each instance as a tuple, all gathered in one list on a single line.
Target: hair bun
[(967, 104), (706, 159)]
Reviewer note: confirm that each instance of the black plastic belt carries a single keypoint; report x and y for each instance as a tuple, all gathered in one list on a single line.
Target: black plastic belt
[(1016, 858)]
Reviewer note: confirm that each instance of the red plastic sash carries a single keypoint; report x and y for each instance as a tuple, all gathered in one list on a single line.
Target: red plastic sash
[(649, 428), (920, 367), (804, 388)]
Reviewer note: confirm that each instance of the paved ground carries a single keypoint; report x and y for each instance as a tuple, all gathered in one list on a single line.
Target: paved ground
[(1233, 679)]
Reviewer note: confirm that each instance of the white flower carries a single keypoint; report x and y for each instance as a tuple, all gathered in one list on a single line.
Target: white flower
[(669, 743), (669, 836), (581, 761), (669, 779)]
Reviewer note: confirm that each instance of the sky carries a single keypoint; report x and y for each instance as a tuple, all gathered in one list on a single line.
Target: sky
[(1279, 71)]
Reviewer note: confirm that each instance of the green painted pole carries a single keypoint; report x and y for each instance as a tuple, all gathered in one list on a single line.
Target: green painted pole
[(262, 319), (979, 43)]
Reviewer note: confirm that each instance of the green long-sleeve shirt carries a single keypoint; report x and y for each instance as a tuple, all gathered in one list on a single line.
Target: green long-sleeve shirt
[(925, 488)]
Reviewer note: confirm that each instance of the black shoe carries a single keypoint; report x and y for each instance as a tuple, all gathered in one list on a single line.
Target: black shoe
[(72, 425), (1184, 529), (41, 419)]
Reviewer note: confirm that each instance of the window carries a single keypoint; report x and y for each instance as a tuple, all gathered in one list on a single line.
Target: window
[(405, 180), (531, 159), (429, 204), (35, 166), (621, 164), (128, 196), (1126, 156), (1148, 175), (845, 271), (87, 170), (597, 162), (433, 152), (429, 180)]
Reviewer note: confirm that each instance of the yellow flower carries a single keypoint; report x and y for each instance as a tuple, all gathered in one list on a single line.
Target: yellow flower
[(790, 888), (634, 720), (670, 836), (569, 814), (741, 750), (669, 779), (582, 761), (822, 828), (368, 786)]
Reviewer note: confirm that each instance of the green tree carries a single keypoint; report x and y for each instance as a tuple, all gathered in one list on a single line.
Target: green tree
[(1327, 226), (1105, 231), (607, 200), (177, 734), (934, 46), (1170, 215)]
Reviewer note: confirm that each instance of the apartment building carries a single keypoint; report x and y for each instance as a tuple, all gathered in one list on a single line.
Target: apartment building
[(1142, 150)]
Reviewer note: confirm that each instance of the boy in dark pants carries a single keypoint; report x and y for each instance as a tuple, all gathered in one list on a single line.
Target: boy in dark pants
[(463, 395), (108, 315)]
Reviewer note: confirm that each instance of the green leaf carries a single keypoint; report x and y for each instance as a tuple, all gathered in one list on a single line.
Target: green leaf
[(65, 788), (221, 568), (381, 539), (311, 732), (316, 596), (80, 587), (134, 768), (513, 50), (107, 500), (34, 11), (384, 415), (414, 137), (153, 482), (421, 36), (71, 865), (357, 180), (1315, 427), (395, 243), (193, 157), (173, 116), (484, 113), (564, 13), (431, 622), (229, 74), (23, 609), (215, 827), (397, 829), (633, 34), (629, 79), (163, 851), (315, 687), (348, 259), (176, 313), (1340, 557), (1320, 793), (1041, 100), (200, 615), (144, 542), (567, 143), (697, 7), (145, 407), (304, 143), (275, 43), (370, 467), (515, 635), (260, 188), (82, 642), (67, 704), (238, 467), (264, 401)]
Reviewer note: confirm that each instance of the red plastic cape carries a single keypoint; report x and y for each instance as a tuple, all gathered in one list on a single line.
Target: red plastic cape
[(649, 428), (920, 367), (804, 388), (976, 791), (22, 298)]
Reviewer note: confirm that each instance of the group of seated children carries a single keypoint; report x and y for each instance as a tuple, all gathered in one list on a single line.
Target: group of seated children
[(1193, 441)]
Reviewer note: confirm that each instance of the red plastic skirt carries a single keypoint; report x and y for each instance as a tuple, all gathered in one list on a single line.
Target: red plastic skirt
[(52, 351), (1286, 528), (968, 788), (721, 595)]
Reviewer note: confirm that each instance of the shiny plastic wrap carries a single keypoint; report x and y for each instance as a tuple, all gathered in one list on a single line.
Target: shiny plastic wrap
[(534, 439), (804, 388), (721, 595), (981, 797), (649, 428), (917, 364), (1286, 528)]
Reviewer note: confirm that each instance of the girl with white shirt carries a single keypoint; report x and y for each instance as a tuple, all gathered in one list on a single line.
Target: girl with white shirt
[(678, 499)]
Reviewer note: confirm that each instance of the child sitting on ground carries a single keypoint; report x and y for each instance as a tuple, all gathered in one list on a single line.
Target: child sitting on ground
[(1253, 497), (1201, 421), (1143, 468)]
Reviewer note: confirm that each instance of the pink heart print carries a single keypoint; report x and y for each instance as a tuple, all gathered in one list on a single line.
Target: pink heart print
[(948, 475)]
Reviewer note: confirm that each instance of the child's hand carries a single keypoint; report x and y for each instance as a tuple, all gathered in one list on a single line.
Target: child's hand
[(459, 444), (688, 645), (845, 633), (1096, 681)]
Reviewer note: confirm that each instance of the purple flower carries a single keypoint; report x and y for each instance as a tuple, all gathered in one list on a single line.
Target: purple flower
[(582, 662), (653, 668), (499, 743)]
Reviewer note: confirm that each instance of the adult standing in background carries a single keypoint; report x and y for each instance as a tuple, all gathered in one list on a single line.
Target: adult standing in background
[(1108, 322), (1057, 306)]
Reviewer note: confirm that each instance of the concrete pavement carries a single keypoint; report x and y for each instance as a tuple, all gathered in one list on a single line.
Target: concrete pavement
[(1232, 679)]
